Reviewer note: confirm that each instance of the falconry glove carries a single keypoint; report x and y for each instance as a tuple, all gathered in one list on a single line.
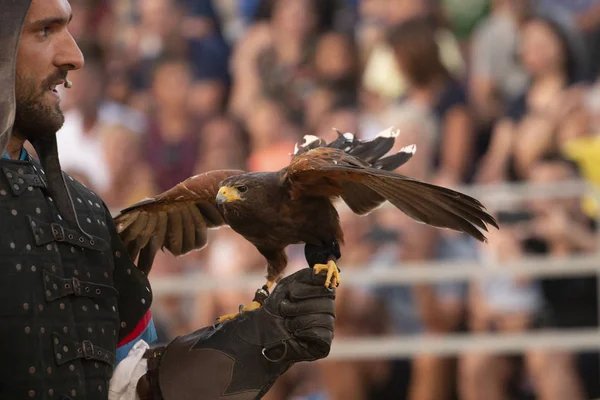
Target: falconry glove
[(241, 359)]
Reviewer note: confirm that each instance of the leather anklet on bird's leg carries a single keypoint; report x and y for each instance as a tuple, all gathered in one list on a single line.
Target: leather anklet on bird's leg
[(333, 273), (259, 299)]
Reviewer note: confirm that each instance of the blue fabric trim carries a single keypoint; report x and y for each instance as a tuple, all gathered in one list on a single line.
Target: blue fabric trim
[(149, 336), (22, 157)]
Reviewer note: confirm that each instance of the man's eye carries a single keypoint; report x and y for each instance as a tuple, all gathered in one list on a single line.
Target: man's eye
[(45, 31)]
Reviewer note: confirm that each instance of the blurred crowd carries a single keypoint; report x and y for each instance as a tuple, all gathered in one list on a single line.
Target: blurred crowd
[(490, 91)]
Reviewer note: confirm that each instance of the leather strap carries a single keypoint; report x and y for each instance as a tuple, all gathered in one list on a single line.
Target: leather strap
[(148, 387)]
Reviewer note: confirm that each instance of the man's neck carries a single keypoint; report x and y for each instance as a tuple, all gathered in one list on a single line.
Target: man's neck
[(15, 145)]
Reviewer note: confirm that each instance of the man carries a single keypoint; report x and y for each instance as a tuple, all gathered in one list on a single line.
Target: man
[(71, 300)]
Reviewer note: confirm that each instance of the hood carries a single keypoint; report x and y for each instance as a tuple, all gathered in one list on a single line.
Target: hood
[(12, 16)]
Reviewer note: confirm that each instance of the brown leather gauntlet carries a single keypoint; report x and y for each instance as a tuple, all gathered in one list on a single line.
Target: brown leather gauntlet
[(242, 358)]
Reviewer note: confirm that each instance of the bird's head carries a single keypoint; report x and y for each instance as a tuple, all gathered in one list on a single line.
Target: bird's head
[(238, 189)]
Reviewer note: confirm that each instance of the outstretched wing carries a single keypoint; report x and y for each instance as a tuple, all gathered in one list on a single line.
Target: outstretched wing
[(326, 171), (177, 219)]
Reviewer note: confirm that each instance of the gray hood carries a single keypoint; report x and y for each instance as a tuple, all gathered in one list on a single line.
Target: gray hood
[(12, 16)]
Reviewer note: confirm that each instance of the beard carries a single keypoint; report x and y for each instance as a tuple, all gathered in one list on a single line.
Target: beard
[(35, 116)]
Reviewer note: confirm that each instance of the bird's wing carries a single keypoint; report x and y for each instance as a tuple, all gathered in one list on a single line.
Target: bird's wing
[(332, 172), (177, 219)]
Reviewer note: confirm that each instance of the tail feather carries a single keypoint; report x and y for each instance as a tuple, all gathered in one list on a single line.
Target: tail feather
[(433, 205)]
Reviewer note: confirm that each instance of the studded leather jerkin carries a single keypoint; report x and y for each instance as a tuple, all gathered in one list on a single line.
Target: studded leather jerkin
[(65, 299)]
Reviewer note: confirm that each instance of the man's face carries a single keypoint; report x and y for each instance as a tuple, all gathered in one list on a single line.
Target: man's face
[(47, 51)]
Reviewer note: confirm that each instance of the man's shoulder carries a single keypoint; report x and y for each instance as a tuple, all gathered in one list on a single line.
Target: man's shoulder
[(78, 190)]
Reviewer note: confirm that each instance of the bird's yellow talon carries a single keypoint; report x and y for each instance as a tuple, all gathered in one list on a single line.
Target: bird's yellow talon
[(252, 306), (333, 273)]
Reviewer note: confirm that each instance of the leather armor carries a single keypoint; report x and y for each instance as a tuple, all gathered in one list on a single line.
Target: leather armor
[(66, 299)]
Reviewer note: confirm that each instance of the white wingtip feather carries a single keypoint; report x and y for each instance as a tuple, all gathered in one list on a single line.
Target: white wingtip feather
[(349, 136), (412, 149), (308, 139), (389, 132)]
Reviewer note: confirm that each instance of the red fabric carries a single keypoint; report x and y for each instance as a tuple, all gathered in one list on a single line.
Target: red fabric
[(139, 329)]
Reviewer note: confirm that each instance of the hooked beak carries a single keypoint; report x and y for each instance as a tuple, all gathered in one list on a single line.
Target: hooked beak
[(227, 194)]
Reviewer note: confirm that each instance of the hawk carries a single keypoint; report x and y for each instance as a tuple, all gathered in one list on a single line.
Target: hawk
[(295, 205)]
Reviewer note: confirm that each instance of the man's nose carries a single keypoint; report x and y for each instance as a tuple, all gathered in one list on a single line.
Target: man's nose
[(69, 56)]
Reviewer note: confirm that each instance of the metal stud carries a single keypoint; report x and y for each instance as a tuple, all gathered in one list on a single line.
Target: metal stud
[(59, 356), (114, 308), (143, 301), (49, 247), (54, 286), (20, 171), (33, 224), (18, 267), (42, 330), (62, 306), (65, 329), (12, 245), (71, 367), (128, 271), (72, 249), (9, 175), (76, 273), (32, 370), (88, 220), (79, 200), (97, 205), (38, 210), (54, 268), (84, 308), (59, 217), (28, 247), (118, 254), (73, 393), (55, 340), (97, 306), (32, 393), (30, 188), (3, 192), (65, 348), (96, 365), (16, 186), (99, 388), (89, 201), (13, 212), (26, 306), (41, 307), (27, 330), (50, 199), (51, 392), (106, 274), (32, 267), (123, 324), (49, 371), (48, 293), (89, 329)]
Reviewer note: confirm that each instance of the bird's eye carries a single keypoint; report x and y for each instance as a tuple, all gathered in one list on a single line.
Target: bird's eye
[(242, 188)]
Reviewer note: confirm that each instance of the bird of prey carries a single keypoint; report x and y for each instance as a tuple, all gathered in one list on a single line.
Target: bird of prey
[(295, 205)]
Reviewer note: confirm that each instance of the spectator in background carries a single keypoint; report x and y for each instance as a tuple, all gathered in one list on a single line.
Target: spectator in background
[(79, 140), (559, 228), (545, 116), (172, 143), (434, 88), (497, 75), (130, 176), (272, 136)]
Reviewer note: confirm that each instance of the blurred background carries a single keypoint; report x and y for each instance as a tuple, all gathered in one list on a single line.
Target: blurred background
[(501, 98)]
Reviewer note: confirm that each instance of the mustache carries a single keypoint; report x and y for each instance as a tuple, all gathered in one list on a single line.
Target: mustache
[(52, 79)]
